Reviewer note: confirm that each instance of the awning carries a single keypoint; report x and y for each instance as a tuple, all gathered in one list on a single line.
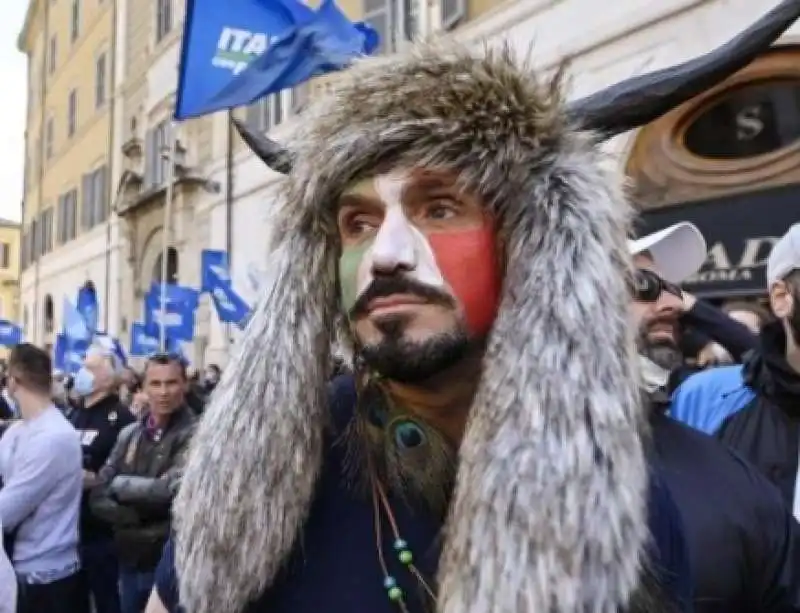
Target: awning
[(740, 230)]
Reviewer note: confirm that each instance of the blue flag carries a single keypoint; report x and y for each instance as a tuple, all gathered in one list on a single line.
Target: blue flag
[(142, 343), (179, 313), (290, 41), (74, 325), (213, 268), (10, 333), (86, 305), (68, 354)]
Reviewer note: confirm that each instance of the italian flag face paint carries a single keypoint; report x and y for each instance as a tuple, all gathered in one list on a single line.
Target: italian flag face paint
[(353, 263), (465, 258)]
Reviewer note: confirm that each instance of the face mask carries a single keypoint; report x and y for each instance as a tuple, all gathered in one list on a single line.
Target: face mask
[(84, 382)]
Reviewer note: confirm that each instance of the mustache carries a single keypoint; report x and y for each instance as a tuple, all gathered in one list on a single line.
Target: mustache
[(382, 287)]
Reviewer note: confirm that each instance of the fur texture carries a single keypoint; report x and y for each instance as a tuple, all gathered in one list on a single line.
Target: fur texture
[(548, 513)]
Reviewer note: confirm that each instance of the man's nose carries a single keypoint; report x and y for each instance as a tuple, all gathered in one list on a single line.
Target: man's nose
[(394, 249), (668, 305)]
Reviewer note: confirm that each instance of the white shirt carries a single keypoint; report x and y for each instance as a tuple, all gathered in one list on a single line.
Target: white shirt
[(8, 583)]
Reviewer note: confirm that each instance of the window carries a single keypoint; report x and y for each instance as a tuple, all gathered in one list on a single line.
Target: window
[(48, 138), (266, 113), (378, 14), (72, 113), (94, 209), (75, 23), (100, 73), (163, 19), (172, 266), (45, 232), (298, 98), (453, 12), (5, 255), (67, 216), (759, 118), (156, 155), (51, 55), (49, 315)]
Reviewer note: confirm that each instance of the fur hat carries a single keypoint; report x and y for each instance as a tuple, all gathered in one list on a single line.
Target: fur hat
[(549, 508)]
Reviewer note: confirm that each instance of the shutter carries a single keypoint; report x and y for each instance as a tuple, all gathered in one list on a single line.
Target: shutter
[(453, 11), (73, 207), (86, 201), (101, 194), (253, 116), (150, 159), (34, 240)]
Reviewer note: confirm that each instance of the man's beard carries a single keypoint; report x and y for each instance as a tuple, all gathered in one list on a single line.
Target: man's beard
[(399, 358), (665, 354), (406, 361)]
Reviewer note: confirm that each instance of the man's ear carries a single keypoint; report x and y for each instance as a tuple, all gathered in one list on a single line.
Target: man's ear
[(781, 300)]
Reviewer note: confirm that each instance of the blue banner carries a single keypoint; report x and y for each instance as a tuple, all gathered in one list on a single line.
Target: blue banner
[(68, 355), (10, 334), (213, 263), (86, 305), (74, 325), (142, 343), (291, 42), (179, 313)]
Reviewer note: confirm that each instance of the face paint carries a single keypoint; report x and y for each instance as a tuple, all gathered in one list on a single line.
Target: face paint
[(461, 262), (468, 261)]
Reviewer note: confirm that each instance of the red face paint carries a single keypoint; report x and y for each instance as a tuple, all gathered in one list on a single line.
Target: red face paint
[(468, 262)]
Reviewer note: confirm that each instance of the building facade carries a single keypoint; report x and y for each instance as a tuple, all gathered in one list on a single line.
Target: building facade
[(66, 216), (721, 150), (9, 270)]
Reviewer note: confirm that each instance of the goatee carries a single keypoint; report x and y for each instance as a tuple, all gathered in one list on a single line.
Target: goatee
[(406, 361)]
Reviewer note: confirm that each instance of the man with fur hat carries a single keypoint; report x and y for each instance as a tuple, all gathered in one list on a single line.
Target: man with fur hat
[(447, 210), (488, 456)]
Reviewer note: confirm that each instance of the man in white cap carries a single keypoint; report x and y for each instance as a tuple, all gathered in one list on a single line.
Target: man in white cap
[(664, 260), (754, 408), (756, 524)]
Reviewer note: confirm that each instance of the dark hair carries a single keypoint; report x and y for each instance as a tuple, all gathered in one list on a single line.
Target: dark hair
[(215, 368), (32, 367), (748, 307), (163, 359)]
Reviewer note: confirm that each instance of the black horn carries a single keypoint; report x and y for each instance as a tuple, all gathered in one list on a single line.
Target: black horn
[(640, 100), (271, 153)]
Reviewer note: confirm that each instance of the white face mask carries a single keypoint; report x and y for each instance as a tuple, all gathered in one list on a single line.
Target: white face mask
[(653, 376)]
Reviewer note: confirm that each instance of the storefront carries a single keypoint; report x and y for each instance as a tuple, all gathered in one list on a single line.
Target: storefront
[(728, 161), (740, 230)]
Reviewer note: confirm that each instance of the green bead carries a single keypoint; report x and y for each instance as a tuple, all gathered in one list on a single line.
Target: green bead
[(406, 557), (395, 594)]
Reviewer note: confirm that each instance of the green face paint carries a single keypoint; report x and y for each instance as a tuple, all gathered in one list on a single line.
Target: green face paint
[(349, 264)]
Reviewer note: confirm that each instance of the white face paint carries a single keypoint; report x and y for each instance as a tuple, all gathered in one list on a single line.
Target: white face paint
[(398, 242)]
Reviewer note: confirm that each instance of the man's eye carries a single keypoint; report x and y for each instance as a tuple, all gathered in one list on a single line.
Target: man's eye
[(359, 224), (441, 211)]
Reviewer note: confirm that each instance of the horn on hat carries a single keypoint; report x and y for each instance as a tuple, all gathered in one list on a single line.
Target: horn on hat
[(633, 102), (271, 153), (640, 100)]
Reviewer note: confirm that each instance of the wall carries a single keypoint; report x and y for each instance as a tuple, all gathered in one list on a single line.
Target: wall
[(61, 270), (9, 276)]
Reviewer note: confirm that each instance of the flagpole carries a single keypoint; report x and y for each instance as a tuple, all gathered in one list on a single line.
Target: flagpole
[(229, 213), (170, 156)]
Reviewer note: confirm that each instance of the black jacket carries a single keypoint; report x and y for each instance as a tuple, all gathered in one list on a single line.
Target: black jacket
[(99, 427), (766, 428), (743, 542), (137, 486)]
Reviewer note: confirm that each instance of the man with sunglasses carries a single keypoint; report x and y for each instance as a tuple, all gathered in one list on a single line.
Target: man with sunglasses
[(755, 407), (741, 539), (141, 476)]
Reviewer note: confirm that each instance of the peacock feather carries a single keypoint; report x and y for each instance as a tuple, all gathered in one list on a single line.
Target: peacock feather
[(410, 456)]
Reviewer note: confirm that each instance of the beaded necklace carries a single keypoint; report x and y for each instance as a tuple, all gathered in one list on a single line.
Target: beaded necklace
[(381, 502)]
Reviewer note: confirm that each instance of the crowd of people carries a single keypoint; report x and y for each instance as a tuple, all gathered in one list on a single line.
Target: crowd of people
[(89, 466)]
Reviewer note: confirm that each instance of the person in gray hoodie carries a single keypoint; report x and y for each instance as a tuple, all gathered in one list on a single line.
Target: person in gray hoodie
[(42, 474)]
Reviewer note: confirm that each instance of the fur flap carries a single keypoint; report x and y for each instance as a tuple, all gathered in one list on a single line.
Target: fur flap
[(549, 508)]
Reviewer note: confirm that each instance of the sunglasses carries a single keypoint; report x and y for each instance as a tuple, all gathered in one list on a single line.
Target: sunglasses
[(648, 286)]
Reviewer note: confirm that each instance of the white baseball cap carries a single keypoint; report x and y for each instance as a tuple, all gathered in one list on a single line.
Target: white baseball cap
[(785, 256), (678, 252)]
